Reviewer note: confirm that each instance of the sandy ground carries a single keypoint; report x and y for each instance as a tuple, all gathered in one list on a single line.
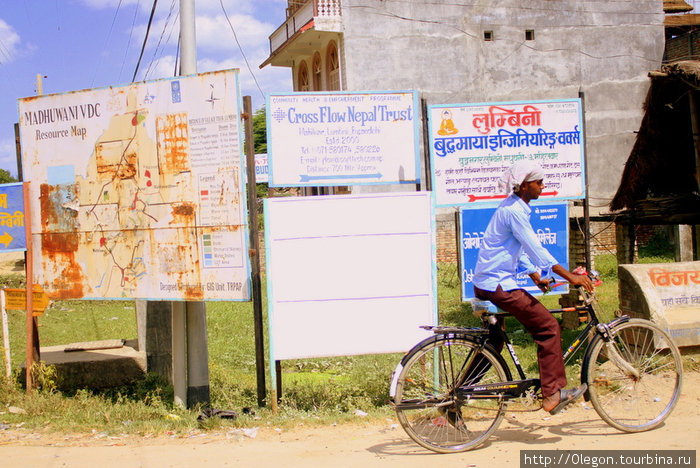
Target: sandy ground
[(361, 444), (12, 263)]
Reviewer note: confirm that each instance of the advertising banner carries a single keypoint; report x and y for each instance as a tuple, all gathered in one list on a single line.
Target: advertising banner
[(550, 222), (324, 139), (137, 191), (472, 145)]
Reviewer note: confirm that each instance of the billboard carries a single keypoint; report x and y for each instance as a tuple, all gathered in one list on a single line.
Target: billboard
[(349, 275), (550, 221), (472, 145), (137, 191), (326, 139)]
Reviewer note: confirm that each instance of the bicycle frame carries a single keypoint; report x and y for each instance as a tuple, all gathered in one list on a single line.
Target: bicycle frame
[(516, 388)]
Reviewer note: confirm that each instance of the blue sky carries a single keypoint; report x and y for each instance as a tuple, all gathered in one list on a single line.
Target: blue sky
[(83, 44)]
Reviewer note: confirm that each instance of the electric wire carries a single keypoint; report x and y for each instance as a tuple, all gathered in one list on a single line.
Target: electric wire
[(154, 60), (145, 39), (104, 47), (128, 44), (235, 36)]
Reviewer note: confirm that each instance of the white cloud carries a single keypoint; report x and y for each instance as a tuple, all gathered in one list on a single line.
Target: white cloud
[(9, 42), (216, 33)]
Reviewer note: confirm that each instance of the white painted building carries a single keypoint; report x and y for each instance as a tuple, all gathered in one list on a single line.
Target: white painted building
[(487, 51)]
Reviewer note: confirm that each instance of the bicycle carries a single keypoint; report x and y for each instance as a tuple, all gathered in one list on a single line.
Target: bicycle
[(452, 389)]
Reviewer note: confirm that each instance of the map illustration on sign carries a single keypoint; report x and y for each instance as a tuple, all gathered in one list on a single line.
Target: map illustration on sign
[(472, 145), (138, 191)]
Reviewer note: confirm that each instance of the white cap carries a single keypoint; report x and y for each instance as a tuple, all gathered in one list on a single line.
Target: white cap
[(521, 171)]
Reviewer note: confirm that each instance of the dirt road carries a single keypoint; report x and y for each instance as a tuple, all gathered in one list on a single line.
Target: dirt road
[(382, 444)]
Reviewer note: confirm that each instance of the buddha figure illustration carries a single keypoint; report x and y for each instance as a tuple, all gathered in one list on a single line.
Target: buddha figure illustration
[(447, 127)]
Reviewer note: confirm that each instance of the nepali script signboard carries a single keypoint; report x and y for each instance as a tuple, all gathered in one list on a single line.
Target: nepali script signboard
[(472, 145), (137, 191), (13, 235), (550, 221), (325, 139)]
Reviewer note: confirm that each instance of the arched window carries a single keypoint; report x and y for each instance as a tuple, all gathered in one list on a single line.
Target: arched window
[(333, 67), (316, 71), (303, 83)]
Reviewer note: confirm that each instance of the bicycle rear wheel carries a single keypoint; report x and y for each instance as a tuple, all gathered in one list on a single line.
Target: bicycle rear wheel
[(634, 381), (429, 405)]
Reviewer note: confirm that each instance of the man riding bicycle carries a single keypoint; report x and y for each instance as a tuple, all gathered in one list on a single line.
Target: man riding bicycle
[(510, 246)]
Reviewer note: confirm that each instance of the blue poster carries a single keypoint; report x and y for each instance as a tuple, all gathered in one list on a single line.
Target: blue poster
[(12, 234), (551, 224)]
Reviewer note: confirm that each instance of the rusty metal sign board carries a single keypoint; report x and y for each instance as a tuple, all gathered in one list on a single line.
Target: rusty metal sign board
[(138, 191)]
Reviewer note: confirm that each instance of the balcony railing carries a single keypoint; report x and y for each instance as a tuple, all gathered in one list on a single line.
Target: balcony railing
[(300, 16)]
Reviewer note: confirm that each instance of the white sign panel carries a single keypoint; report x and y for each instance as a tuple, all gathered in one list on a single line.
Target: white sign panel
[(349, 275), (323, 139), (472, 145), (137, 191)]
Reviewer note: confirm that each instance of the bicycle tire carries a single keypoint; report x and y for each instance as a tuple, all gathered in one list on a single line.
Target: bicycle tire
[(428, 406), (634, 380)]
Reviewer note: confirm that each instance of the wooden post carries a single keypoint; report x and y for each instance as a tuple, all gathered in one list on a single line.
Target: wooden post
[(625, 240), (254, 246), (5, 336), (29, 267)]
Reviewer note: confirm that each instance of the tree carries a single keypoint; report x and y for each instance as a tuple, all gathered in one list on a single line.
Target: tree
[(260, 131), (5, 177)]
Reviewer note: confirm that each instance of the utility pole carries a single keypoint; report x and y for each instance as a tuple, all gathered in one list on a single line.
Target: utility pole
[(196, 312)]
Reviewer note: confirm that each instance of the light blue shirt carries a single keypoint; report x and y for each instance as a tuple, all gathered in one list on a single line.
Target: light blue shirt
[(509, 247)]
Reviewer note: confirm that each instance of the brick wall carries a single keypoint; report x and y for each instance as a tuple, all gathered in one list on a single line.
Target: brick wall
[(683, 47)]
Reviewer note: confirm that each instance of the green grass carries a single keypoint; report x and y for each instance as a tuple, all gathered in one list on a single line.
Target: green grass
[(319, 390)]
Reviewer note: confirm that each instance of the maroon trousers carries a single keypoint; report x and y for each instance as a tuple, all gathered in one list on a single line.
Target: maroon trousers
[(543, 327)]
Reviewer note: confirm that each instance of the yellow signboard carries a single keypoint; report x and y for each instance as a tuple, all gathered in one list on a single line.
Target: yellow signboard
[(16, 299)]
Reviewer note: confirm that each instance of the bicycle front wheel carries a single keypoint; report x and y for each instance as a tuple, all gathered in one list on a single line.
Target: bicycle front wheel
[(429, 405), (634, 380)]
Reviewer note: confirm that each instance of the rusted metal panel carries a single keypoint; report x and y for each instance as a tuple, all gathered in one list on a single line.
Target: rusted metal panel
[(138, 190)]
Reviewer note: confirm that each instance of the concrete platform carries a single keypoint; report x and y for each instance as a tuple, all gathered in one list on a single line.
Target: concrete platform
[(95, 368)]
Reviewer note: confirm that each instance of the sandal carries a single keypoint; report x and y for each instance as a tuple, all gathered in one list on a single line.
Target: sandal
[(568, 396)]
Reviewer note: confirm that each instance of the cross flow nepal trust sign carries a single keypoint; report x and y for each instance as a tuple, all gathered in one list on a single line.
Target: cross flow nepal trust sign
[(343, 139)]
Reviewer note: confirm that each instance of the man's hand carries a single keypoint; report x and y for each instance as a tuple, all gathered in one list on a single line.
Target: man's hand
[(543, 284), (582, 280), (576, 280)]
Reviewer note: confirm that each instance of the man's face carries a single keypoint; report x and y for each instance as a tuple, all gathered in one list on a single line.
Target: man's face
[(533, 189)]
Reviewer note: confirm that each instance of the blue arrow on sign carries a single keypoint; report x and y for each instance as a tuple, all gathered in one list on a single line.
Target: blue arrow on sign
[(307, 178)]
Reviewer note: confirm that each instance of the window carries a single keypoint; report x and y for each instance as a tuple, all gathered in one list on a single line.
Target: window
[(488, 35), (529, 34), (316, 71), (333, 67), (303, 83)]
